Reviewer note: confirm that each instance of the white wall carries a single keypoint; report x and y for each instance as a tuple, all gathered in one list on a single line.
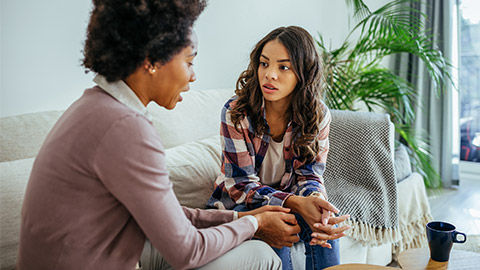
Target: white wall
[(41, 43), (228, 30)]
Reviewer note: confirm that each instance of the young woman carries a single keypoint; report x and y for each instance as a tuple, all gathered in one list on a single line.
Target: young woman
[(275, 141), (100, 186)]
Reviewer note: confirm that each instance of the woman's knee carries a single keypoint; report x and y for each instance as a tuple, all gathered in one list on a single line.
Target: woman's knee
[(253, 254)]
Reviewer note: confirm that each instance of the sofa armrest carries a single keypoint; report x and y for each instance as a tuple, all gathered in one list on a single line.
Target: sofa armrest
[(414, 214)]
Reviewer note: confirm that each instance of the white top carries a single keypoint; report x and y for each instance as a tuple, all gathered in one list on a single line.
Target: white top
[(124, 94), (273, 165)]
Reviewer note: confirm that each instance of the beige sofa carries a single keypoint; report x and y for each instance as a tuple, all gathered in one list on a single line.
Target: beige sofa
[(190, 134)]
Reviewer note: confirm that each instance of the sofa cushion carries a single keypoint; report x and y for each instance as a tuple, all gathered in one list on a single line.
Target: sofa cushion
[(13, 181), (23, 135), (403, 167), (193, 167), (196, 117)]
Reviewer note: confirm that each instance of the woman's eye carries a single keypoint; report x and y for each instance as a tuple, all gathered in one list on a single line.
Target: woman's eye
[(263, 64), (284, 68)]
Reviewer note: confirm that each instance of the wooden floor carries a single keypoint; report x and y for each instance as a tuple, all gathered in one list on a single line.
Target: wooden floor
[(459, 205)]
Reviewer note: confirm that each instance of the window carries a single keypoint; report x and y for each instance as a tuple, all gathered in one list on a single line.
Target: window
[(469, 75)]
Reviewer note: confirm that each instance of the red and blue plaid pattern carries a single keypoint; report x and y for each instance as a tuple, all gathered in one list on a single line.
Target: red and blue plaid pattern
[(242, 157)]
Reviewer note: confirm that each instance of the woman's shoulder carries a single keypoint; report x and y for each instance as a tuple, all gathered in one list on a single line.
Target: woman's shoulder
[(324, 107), (326, 117), (229, 113), (230, 104)]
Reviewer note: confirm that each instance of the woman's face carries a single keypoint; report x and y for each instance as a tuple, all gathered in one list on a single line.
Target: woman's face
[(173, 78), (275, 73)]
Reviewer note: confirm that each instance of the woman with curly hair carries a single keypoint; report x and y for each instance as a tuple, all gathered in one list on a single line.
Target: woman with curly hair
[(274, 135), (99, 186)]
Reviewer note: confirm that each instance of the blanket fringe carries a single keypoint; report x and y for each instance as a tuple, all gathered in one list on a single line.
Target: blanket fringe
[(369, 235), (412, 236)]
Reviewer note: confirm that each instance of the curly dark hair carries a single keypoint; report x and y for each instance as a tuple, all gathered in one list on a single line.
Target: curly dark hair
[(307, 95), (121, 34)]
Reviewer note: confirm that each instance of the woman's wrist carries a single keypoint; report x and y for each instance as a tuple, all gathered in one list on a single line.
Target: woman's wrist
[(293, 202), (318, 194)]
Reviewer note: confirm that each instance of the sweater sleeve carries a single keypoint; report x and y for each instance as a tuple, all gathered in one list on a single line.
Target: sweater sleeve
[(201, 218), (130, 162)]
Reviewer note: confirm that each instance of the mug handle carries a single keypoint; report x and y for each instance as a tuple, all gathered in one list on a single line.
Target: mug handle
[(455, 234)]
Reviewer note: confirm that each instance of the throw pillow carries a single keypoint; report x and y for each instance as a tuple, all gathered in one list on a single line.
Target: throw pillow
[(193, 168), (403, 168)]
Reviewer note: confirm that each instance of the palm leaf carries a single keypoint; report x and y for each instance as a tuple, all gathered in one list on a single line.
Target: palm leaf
[(354, 74), (360, 9)]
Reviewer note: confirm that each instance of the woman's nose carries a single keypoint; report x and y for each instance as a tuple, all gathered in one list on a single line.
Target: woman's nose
[(271, 74), (193, 77)]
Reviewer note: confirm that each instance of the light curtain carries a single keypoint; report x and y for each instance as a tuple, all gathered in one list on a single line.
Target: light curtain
[(434, 105)]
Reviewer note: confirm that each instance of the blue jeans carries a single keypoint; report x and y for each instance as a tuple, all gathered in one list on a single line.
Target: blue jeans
[(317, 257)]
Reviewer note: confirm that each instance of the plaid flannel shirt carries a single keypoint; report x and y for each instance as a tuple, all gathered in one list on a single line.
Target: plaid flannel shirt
[(242, 157)]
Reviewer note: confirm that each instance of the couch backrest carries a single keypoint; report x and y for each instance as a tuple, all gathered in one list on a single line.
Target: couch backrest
[(196, 117), (21, 136)]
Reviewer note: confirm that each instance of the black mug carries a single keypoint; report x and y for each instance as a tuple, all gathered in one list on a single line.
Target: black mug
[(441, 236)]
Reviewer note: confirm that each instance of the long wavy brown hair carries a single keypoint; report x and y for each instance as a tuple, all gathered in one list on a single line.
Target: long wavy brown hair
[(307, 95)]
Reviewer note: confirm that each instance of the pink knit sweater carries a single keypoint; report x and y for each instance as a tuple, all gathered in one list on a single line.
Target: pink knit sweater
[(100, 185)]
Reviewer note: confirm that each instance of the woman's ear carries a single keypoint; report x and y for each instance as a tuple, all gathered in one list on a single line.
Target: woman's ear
[(149, 67)]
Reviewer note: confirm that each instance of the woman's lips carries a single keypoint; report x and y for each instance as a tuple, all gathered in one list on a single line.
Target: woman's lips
[(180, 98), (269, 88)]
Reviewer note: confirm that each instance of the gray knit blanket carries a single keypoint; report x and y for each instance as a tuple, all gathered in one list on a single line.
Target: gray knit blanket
[(360, 178)]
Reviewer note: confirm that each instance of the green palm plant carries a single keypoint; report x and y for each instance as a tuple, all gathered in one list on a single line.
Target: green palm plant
[(354, 72)]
